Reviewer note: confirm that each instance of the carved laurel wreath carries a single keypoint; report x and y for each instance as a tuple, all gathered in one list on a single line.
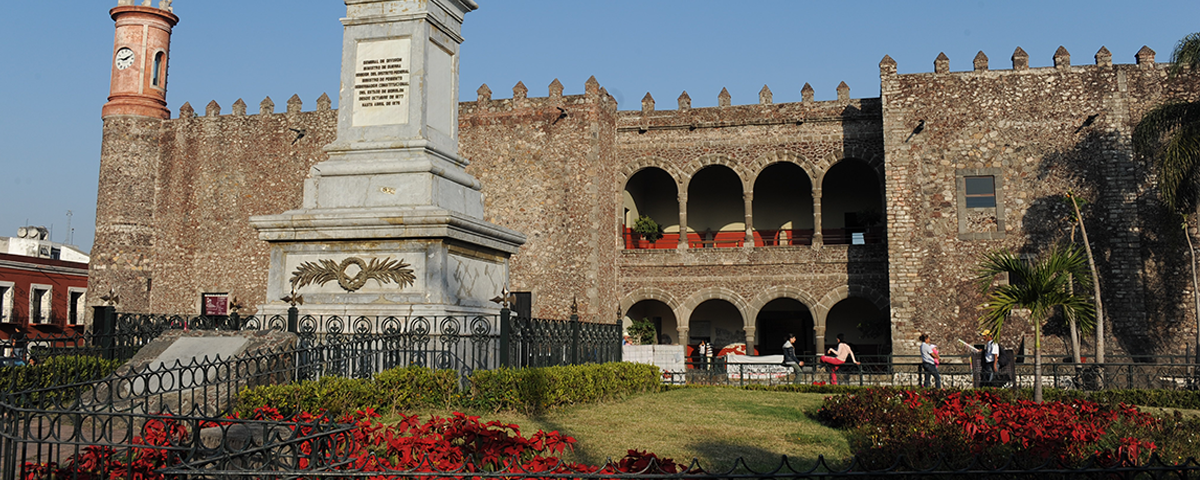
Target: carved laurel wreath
[(324, 271)]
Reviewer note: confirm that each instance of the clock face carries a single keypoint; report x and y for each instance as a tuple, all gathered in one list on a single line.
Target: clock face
[(124, 58)]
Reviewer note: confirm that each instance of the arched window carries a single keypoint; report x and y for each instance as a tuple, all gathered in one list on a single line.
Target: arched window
[(852, 210), (783, 206), (651, 192), (715, 209), (158, 61)]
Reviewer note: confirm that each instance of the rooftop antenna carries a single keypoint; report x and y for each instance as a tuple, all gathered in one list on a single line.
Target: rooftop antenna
[(70, 231)]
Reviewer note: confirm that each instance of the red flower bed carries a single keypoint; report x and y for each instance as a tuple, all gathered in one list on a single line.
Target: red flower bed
[(459, 444), (927, 426)]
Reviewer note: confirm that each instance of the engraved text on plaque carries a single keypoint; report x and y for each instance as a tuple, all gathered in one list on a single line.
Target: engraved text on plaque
[(381, 87)]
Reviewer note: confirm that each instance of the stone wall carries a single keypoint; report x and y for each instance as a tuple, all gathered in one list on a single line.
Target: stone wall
[(1041, 132), (546, 166), (201, 179)]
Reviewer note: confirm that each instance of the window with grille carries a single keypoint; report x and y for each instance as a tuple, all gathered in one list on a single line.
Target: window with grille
[(40, 298)]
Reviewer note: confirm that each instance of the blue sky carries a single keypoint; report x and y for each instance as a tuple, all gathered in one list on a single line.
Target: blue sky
[(56, 71)]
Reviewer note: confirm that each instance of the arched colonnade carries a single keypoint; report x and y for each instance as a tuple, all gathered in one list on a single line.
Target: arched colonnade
[(721, 317), (779, 199)]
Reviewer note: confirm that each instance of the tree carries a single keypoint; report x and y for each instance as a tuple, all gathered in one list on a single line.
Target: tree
[(1099, 323), (1170, 135), (1039, 285), (643, 332), (648, 228)]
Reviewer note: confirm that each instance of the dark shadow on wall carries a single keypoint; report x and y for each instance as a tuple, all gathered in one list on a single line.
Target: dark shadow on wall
[(1136, 242), (867, 264)]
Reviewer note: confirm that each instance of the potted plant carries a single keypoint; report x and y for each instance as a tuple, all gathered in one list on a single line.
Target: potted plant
[(647, 229)]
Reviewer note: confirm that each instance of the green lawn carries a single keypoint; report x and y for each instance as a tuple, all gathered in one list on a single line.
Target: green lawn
[(713, 425)]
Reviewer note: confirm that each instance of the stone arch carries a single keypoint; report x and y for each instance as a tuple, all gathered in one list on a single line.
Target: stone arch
[(648, 293), (767, 329), (782, 291), (642, 163), (689, 170), (779, 156), (685, 309), (843, 292), (873, 158)]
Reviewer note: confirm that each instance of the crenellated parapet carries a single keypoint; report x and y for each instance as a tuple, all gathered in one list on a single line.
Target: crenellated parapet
[(1061, 61), (763, 113), (266, 108), (522, 105)]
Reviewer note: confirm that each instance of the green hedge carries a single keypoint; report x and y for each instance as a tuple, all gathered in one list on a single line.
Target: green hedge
[(1185, 399), (51, 381), (805, 388), (398, 389), (534, 390), (401, 389)]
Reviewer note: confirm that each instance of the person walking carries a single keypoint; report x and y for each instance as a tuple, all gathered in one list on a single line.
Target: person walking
[(991, 359), (19, 343), (837, 356), (929, 362), (789, 357), (703, 351)]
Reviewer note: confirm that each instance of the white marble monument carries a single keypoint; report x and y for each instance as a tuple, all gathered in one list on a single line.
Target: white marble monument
[(392, 224)]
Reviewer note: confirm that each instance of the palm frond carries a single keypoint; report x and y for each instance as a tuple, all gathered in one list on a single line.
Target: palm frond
[(1187, 52), (996, 263), (1041, 285), (1170, 134)]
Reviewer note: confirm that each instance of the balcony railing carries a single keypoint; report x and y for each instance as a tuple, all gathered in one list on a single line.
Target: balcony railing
[(762, 238)]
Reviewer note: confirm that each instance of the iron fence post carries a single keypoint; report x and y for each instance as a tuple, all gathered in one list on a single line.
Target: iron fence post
[(104, 329), (293, 319), (505, 336), (575, 331)]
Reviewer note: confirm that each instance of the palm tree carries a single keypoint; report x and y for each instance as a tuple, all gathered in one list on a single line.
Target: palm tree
[(1170, 134), (1039, 285), (1099, 323)]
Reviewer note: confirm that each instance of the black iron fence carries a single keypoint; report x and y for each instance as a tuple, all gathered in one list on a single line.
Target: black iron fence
[(531, 342), (464, 343), (1167, 372)]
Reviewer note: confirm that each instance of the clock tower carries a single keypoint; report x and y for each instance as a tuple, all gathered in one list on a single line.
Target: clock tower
[(122, 258), (139, 62)]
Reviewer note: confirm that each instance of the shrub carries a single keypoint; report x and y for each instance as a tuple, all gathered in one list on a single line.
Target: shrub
[(58, 380), (1187, 399), (956, 426), (534, 390), (643, 332), (397, 389), (648, 228)]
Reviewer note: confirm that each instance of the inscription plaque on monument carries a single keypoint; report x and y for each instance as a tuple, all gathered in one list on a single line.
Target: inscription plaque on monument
[(381, 82)]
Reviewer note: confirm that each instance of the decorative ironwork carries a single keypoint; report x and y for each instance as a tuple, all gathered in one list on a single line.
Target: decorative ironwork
[(111, 298), (505, 299), (324, 271), (536, 342)]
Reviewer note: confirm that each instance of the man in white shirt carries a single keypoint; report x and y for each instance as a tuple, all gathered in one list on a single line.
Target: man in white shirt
[(991, 358)]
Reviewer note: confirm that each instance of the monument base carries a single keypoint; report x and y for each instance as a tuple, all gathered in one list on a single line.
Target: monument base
[(378, 262)]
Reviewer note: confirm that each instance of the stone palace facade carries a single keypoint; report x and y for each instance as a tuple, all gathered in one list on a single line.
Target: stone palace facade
[(863, 216)]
